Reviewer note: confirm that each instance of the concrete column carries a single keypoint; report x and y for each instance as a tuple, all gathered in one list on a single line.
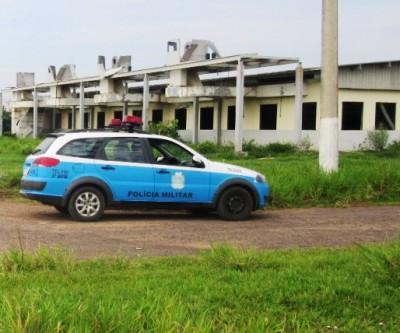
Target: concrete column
[(328, 144), (81, 106), (73, 118), (146, 102), (35, 114), (239, 108), (299, 104), (125, 109), (195, 132), (1, 114), (219, 120)]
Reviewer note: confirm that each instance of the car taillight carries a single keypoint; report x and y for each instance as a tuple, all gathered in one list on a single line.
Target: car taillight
[(46, 161)]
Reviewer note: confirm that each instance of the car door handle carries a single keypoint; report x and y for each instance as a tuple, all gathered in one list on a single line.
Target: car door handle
[(108, 167), (162, 171)]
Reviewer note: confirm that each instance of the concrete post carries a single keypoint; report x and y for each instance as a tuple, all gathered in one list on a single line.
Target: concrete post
[(219, 120), (81, 106), (35, 114), (239, 108), (299, 104), (73, 118), (146, 102), (195, 132), (328, 144)]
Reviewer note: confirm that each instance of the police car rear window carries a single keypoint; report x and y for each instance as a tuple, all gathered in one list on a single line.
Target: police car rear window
[(83, 148), (44, 145)]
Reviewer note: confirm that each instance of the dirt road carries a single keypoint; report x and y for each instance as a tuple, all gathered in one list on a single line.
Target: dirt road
[(141, 233)]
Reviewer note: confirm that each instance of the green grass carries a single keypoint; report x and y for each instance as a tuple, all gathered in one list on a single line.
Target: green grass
[(13, 152), (223, 290)]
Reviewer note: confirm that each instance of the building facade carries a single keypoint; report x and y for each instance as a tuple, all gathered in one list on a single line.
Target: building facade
[(222, 99)]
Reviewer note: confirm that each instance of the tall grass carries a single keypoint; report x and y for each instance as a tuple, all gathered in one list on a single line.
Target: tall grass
[(297, 181), (225, 289)]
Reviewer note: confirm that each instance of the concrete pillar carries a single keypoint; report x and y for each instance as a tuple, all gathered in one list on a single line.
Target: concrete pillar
[(195, 132), (35, 114), (299, 104), (328, 144), (1, 114), (125, 109), (81, 106), (219, 120), (146, 102), (239, 107), (73, 118)]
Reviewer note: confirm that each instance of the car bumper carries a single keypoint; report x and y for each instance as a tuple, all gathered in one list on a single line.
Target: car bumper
[(32, 185)]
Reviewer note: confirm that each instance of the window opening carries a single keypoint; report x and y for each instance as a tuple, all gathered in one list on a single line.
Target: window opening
[(309, 116), (231, 121), (268, 116), (181, 116), (385, 116), (206, 118), (352, 113), (157, 116)]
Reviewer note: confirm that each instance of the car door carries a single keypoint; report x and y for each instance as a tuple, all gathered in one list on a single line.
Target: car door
[(177, 177), (124, 166)]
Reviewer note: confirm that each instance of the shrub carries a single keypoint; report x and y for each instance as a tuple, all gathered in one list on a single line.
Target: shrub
[(257, 150), (168, 128), (376, 140), (207, 147), (394, 146)]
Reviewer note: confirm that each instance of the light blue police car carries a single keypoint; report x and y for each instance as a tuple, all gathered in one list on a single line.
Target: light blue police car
[(83, 173)]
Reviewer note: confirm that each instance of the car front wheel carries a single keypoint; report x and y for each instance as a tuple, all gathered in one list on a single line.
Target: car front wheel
[(86, 204), (235, 204)]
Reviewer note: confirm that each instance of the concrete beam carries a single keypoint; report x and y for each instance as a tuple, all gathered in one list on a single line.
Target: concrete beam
[(204, 91)]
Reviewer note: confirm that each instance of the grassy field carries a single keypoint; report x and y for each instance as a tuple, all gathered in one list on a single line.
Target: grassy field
[(226, 289), (223, 290)]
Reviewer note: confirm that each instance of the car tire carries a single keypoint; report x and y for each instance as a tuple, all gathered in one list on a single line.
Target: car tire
[(86, 204), (235, 204)]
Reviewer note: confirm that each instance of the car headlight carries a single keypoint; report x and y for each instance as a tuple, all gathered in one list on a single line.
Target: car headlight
[(260, 179)]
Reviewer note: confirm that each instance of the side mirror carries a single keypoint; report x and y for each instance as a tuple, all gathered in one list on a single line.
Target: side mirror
[(197, 162)]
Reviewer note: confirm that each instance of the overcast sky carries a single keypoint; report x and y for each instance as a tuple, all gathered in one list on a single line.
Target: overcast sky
[(36, 34)]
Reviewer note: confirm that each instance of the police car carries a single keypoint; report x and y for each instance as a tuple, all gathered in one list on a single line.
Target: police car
[(83, 173)]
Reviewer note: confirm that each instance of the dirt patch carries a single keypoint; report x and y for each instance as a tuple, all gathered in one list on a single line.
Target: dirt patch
[(160, 233)]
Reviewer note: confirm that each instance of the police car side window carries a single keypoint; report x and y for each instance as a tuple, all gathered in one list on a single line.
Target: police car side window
[(169, 153), (83, 148), (124, 150)]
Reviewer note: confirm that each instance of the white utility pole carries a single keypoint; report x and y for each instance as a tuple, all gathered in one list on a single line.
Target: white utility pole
[(328, 143)]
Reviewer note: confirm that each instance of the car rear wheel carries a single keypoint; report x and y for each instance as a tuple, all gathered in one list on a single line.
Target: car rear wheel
[(235, 204), (86, 204)]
